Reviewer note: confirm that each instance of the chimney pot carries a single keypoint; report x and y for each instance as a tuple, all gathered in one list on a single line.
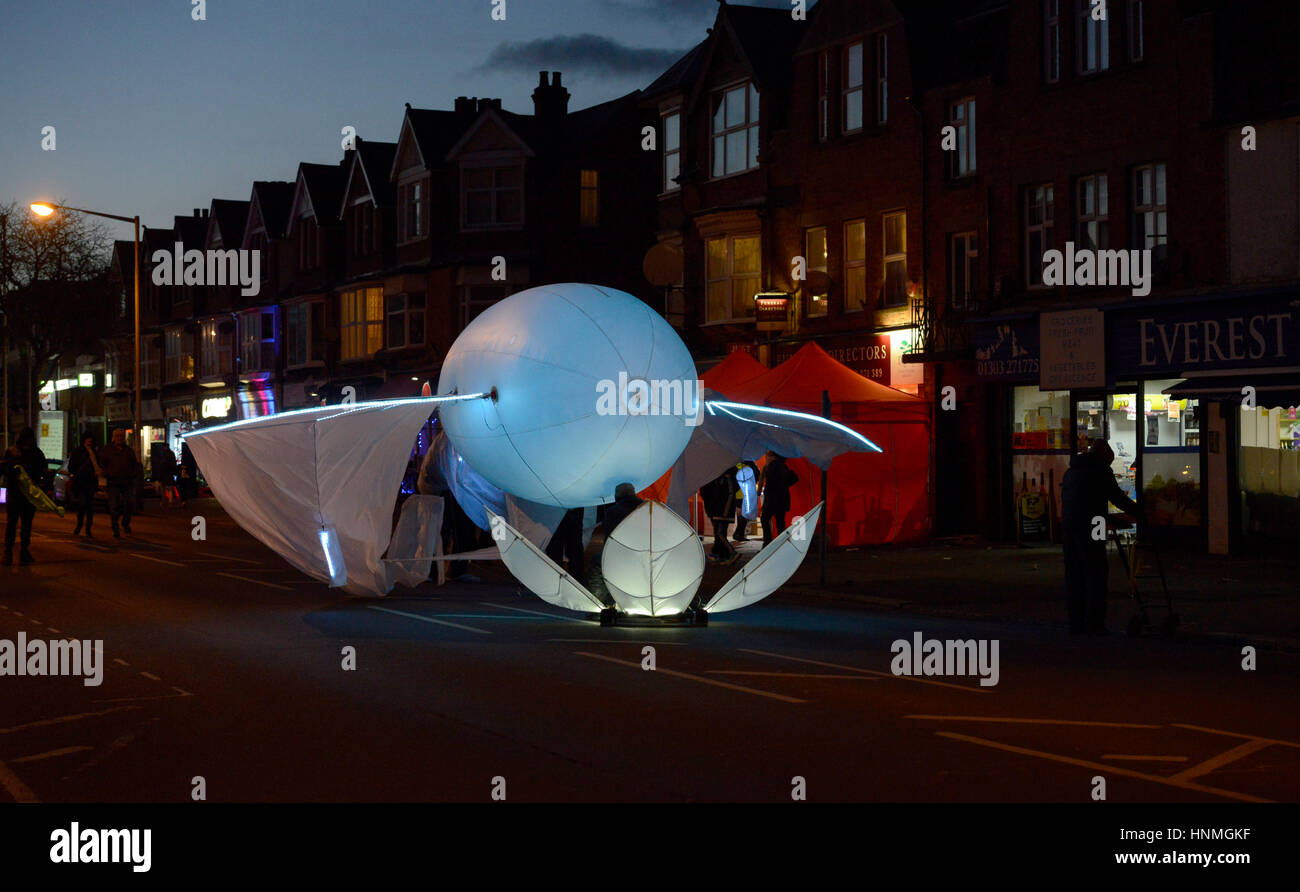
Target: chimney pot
[(542, 80), (555, 79)]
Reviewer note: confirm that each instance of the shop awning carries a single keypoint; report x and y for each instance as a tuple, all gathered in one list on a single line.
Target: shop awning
[(1280, 387)]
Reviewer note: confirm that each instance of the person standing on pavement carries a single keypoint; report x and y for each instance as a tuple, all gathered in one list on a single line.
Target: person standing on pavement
[(719, 497), (566, 542), (1086, 488), (122, 469), (83, 466), (775, 486), (188, 483), (26, 456)]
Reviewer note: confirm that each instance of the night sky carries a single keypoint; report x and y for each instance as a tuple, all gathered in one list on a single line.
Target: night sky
[(156, 113)]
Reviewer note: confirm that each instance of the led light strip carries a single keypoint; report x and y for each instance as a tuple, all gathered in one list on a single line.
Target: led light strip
[(726, 406), (376, 404)]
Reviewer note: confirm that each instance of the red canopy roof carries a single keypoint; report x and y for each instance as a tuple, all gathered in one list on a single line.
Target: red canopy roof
[(738, 368), (798, 383)]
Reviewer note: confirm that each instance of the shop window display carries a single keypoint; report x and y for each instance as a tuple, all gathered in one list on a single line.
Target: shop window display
[(1171, 461), (1040, 435), (1269, 471), (1113, 419)]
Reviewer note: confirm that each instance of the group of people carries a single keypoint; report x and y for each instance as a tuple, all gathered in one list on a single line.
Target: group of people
[(24, 465), (725, 500)]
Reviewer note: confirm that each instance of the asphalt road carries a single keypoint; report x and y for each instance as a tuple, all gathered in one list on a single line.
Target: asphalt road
[(222, 662)]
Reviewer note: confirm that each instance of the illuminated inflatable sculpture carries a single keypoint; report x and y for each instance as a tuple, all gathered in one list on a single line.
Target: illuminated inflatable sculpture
[(555, 395)]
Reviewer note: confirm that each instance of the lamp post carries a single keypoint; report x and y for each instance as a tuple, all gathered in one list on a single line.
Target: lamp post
[(45, 209)]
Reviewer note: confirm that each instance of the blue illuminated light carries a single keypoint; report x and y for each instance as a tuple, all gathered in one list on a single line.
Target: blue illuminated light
[(376, 404), (788, 413)]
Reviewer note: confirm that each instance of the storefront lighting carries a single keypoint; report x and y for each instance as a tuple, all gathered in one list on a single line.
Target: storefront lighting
[(65, 383), (86, 379), (46, 387), (216, 406), (108, 380)]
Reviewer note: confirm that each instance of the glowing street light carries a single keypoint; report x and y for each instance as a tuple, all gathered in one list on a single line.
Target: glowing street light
[(47, 209)]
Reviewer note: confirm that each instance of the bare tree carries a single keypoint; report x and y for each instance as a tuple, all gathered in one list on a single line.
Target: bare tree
[(54, 288)]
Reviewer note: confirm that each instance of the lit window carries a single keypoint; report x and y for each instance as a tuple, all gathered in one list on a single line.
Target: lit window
[(895, 258), (362, 319), (855, 266), (733, 276), (815, 254), (590, 198)]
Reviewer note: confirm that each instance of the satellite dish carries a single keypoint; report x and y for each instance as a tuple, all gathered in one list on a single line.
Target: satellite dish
[(662, 265)]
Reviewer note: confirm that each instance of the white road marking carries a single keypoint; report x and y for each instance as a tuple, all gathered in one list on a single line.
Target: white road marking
[(711, 681), (1235, 734), (1146, 758), (970, 689), (261, 582), (63, 719), (55, 631), (1216, 762), (51, 754), (120, 661), (428, 619), (618, 641), (227, 557), (36, 622), (788, 674), (145, 557), (15, 787), (522, 610), (1011, 720), (151, 676), (1101, 766)]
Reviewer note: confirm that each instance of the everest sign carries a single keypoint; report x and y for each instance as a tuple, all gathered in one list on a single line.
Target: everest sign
[(1073, 350)]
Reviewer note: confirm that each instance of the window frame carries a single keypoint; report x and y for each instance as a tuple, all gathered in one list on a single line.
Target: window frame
[(1045, 229), (749, 126), (672, 151), (370, 324), (848, 91), (312, 310), (969, 263), (824, 96), (257, 346), (1051, 41), (589, 220), (810, 267), (1098, 216), (1159, 172), (963, 161), (494, 191), (1086, 30), (894, 258), (855, 267), (882, 79), (730, 277), (413, 306)]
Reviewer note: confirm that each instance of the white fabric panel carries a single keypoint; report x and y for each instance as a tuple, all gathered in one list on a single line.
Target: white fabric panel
[(471, 489), (653, 563), (534, 521), (770, 569), (538, 573), (285, 476), (418, 537)]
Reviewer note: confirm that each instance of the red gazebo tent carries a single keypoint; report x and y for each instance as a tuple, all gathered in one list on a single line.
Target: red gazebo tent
[(874, 497)]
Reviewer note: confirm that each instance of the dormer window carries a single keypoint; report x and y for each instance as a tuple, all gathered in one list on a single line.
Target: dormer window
[(492, 197), (412, 212), (735, 130)]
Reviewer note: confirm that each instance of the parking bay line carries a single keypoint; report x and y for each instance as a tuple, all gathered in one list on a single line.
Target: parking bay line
[(789, 674), (210, 555), (712, 681), (15, 787), (523, 610), (1014, 720), (1101, 766), (1271, 740), (942, 684), (52, 754), (146, 557), (1145, 758), (427, 619), (261, 582)]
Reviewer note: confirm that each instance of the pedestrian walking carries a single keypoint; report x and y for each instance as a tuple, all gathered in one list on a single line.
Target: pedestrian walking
[(83, 467), (774, 487), (122, 469), (1086, 488), (719, 497), (566, 543), (23, 457), (162, 464), (188, 483)]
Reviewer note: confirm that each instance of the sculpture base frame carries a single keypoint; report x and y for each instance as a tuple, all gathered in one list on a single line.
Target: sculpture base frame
[(691, 616)]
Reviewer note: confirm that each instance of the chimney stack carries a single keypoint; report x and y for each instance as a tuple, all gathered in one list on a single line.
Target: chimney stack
[(466, 105), (550, 99)]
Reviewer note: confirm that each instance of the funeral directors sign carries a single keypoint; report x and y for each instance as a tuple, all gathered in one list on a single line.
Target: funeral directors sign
[(1203, 336), (1073, 345)]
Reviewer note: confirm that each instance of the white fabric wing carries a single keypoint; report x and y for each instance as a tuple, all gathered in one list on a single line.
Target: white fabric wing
[(538, 573), (417, 541), (287, 477), (771, 568)]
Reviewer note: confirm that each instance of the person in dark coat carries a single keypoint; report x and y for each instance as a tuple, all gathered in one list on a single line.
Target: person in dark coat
[(162, 463), (188, 484), (23, 454), (566, 542), (122, 469), (625, 502), (719, 497), (1086, 488), (775, 488), (83, 467)]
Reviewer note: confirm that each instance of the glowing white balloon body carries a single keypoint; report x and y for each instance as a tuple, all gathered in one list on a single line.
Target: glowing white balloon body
[(550, 352), (653, 562)]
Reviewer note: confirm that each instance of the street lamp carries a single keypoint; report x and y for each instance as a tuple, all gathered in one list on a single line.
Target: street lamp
[(45, 209)]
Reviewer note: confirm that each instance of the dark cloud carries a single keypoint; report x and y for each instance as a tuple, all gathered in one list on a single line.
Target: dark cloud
[(688, 11), (588, 53)]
